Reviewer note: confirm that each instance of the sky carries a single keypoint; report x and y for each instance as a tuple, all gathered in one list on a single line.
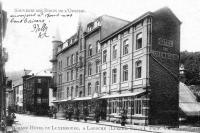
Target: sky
[(27, 51)]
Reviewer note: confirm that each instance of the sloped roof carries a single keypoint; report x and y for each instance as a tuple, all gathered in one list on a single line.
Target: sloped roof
[(187, 101), (17, 82), (41, 73)]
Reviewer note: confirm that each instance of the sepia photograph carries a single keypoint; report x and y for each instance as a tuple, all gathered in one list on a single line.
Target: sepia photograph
[(72, 66)]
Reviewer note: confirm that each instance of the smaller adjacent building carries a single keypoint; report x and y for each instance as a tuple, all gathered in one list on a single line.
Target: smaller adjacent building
[(18, 95), (9, 94), (36, 92)]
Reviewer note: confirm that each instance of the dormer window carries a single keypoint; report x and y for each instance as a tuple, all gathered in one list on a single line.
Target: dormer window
[(89, 28), (70, 42), (98, 23)]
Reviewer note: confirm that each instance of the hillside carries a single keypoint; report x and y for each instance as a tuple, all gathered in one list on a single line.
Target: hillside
[(191, 61)]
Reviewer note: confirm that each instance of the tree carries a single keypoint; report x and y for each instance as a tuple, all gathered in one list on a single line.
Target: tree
[(191, 62)]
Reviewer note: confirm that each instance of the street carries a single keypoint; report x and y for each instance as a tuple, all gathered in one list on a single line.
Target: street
[(36, 124)]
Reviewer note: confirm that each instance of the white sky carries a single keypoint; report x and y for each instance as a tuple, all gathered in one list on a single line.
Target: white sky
[(27, 51)]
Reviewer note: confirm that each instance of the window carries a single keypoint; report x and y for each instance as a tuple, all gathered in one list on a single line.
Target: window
[(17, 90), (114, 51), (114, 75), (81, 79), (76, 57), (125, 47), (72, 74), (104, 56), (104, 78), (97, 66), (89, 88), (72, 59), (90, 50), (138, 69), (20, 92), (98, 23), (76, 73), (67, 76), (67, 92), (39, 91), (72, 90), (139, 41), (97, 87), (60, 79), (39, 80), (138, 106), (80, 94), (89, 69), (98, 48), (81, 47), (89, 28), (60, 65), (76, 92), (81, 61), (67, 61), (125, 72), (44, 100), (38, 100)]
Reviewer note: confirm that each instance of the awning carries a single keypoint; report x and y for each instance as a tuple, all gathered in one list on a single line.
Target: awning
[(187, 101), (122, 95), (58, 101), (82, 98)]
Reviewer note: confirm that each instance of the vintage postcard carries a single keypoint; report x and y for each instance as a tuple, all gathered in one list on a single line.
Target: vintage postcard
[(99, 66)]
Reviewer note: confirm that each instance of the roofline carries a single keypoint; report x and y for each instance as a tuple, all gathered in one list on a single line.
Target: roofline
[(100, 17), (38, 76), (75, 34), (63, 50), (57, 41), (17, 85), (170, 12), (91, 32), (126, 26), (116, 18), (95, 19)]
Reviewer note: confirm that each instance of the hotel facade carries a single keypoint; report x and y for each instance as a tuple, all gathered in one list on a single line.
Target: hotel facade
[(122, 65)]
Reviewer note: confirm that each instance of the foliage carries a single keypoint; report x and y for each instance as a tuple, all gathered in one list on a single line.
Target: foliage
[(97, 113), (123, 116), (77, 114), (85, 113), (191, 62)]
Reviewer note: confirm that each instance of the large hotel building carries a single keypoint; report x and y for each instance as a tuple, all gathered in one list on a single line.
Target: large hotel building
[(121, 65)]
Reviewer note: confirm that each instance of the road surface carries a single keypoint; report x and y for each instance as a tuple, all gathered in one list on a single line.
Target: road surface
[(36, 124)]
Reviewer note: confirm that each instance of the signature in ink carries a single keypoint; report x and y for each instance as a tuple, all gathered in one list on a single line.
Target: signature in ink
[(41, 30)]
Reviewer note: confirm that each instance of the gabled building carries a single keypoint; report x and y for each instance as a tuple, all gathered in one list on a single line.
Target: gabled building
[(140, 68), (132, 66), (76, 62)]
